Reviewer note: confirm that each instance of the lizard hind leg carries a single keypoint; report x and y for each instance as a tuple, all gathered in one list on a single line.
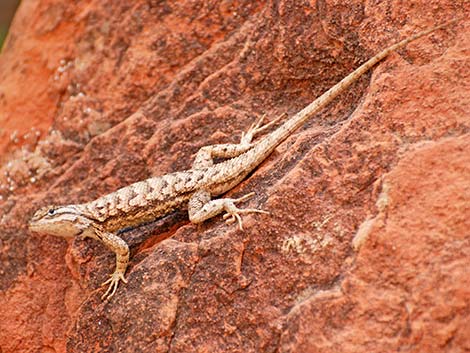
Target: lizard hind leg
[(199, 211), (200, 206), (205, 156)]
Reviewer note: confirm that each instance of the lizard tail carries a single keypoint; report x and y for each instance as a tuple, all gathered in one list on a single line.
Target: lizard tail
[(269, 143)]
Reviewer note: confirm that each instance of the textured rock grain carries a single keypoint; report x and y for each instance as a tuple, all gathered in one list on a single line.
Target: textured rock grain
[(368, 247)]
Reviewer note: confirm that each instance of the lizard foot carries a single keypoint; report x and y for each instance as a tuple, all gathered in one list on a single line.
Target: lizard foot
[(257, 127), (113, 285), (233, 212)]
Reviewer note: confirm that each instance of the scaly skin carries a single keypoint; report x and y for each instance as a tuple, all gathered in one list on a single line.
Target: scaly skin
[(153, 198)]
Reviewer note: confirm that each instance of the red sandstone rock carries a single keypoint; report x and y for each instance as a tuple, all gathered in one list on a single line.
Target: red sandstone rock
[(368, 247)]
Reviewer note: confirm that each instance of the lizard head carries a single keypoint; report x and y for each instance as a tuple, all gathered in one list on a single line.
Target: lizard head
[(61, 221)]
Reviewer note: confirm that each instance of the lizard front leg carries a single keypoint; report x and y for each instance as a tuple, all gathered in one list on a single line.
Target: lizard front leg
[(120, 248)]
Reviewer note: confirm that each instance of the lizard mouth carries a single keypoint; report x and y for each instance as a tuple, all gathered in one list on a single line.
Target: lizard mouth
[(34, 226)]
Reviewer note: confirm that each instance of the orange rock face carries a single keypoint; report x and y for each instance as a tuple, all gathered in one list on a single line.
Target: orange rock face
[(368, 245)]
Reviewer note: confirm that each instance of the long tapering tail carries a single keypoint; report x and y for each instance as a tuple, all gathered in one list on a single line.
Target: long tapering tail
[(269, 143)]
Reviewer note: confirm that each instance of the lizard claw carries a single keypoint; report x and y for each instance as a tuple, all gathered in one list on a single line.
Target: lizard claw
[(113, 285), (257, 127), (233, 212)]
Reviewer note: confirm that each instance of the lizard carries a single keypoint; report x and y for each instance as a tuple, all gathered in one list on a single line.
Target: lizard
[(150, 199)]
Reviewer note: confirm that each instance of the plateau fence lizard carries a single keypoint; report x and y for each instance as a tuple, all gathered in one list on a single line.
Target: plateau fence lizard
[(155, 197)]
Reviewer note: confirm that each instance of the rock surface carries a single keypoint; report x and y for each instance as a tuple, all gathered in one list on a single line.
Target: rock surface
[(368, 245)]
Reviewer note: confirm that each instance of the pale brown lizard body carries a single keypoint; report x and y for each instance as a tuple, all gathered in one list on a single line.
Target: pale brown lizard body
[(153, 198)]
